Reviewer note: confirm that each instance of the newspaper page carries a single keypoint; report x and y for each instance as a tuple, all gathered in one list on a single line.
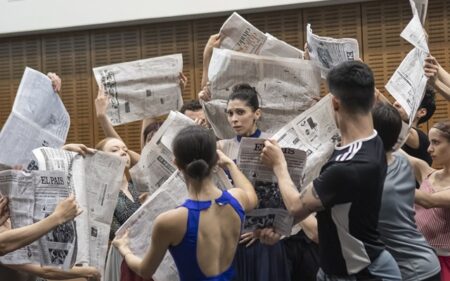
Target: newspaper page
[(34, 196), (271, 211), (414, 32), (407, 84), (242, 36), (422, 9), (142, 88), (38, 118), (329, 52), (215, 113), (315, 132), (286, 86), (171, 195), (96, 180)]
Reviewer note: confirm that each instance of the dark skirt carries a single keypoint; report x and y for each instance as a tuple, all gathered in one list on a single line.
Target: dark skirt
[(303, 256), (260, 262)]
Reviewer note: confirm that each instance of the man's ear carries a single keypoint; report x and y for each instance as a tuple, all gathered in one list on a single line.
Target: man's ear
[(421, 113), (258, 114), (335, 102)]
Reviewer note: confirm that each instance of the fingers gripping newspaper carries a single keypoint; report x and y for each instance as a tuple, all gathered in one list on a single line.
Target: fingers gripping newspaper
[(34, 196), (96, 180), (271, 211), (241, 36), (315, 132), (329, 52), (286, 87), (38, 118), (156, 164), (142, 88)]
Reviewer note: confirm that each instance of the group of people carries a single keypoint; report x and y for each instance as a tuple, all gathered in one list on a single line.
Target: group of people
[(372, 214)]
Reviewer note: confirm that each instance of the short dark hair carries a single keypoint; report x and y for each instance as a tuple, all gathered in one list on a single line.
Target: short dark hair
[(388, 123), (195, 152), (353, 84), (152, 127), (245, 93), (193, 105), (429, 103)]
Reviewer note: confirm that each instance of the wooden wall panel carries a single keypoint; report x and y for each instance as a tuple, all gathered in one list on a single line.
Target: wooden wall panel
[(68, 55), (114, 46), (170, 38)]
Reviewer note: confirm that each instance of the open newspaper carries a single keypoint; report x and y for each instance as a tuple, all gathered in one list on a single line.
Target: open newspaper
[(242, 36), (286, 87), (271, 211), (34, 196), (142, 88), (156, 164), (96, 180), (315, 132), (38, 118), (414, 32), (329, 52)]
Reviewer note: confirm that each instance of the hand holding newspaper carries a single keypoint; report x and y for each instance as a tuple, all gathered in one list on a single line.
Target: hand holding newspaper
[(329, 52), (242, 36), (142, 88), (271, 211), (38, 118)]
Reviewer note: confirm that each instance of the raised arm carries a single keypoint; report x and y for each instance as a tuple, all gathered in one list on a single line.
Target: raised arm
[(213, 42), (11, 240), (54, 273), (421, 168), (438, 76), (250, 200), (299, 205)]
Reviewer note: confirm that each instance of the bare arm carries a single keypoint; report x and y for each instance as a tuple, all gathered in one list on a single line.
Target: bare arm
[(101, 103), (440, 199), (309, 226), (421, 168), (413, 139), (213, 42), (437, 75), (54, 273), (11, 240)]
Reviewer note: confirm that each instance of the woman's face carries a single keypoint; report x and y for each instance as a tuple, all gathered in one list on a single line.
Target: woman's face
[(439, 148), (117, 147), (241, 117)]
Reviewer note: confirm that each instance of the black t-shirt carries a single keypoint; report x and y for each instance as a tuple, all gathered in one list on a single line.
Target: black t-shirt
[(350, 187), (420, 152)]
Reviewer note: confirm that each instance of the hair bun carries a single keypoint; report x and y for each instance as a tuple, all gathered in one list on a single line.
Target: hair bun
[(197, 169)]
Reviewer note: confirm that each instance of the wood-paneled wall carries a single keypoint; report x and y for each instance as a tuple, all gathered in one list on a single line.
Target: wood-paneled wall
[(376, 25)]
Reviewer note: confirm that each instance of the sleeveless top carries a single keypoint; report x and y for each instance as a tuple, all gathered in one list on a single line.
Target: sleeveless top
[(185, 253), (434, 223)]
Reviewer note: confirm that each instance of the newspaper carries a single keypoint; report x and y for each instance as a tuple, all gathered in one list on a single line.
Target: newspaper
[(242, 36), (171, 195), (96, 180), (422, 8), (142, 88), (271, 211), (315, 132), (414, 32), (286, 86), (407, 84), (38, 118), (34, 196), (329, 52)]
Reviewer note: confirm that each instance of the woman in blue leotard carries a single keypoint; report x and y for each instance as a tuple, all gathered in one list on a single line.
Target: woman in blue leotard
[(202, 235)]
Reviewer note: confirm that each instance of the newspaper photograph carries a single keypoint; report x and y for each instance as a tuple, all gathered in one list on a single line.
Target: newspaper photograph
[(407, 84), (141, 89), (414, 32), (242, 36), (96, 180), (329, 52), (286, 87), (315, 132), (171, 195), (38, 118), (266, 184)]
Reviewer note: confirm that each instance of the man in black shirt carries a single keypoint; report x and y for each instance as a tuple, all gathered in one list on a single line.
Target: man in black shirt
[(347, 194), (417, 143)]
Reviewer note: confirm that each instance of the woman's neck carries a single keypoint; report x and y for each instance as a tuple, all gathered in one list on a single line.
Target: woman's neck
[(250, 132), (202, 191)]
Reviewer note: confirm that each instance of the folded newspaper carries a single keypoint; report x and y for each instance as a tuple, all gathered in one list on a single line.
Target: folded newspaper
[(96, 180), (242, 36), (38, 118), (271, 211), (32, 197), (329, 52), (286, 87), (142, 88)]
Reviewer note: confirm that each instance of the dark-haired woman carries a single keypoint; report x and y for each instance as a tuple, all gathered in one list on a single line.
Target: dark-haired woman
[(254, 261), (202, 235), (433, 197)]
